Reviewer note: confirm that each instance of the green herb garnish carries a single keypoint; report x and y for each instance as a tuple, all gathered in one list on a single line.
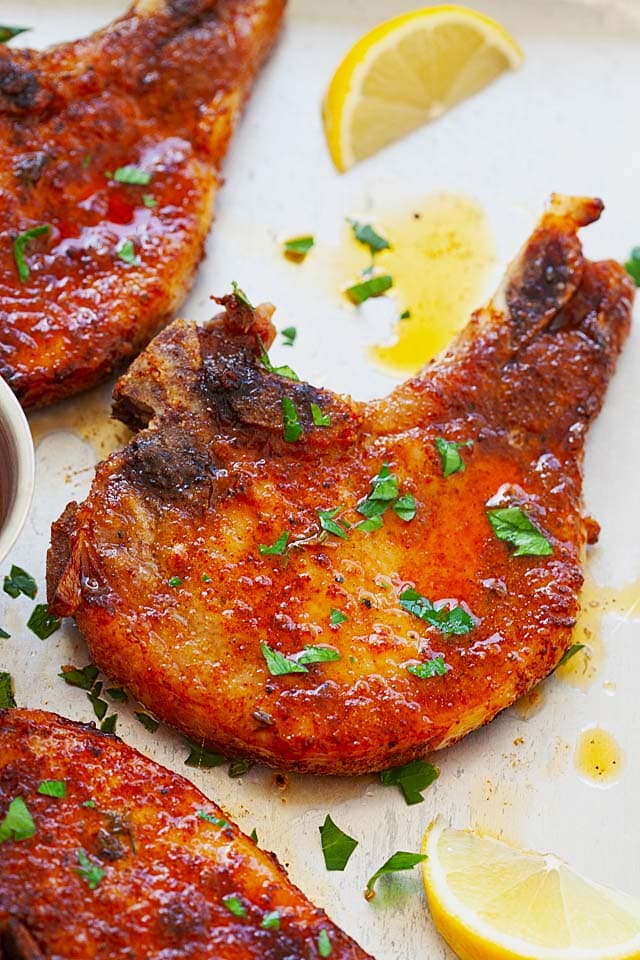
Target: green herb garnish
[(254, 835), (435, 667), (319, 418), (84, 678), (405, 314), (366, 235), (133, 175), (148, 722), (118, 694), (315, 654), (337, 616), (371, 524), (241, 295), (291, 428), (210, 818), (175, 581), (17, 823), (279, 665), (53, 788), (632, 266), (90, 872), (205, 578), (8, 33), (271, 920), (4, 635), (100, 707), (324, 944), (234, 905), (19, 581), (43, 623), (512, 525), (19, 245), (126, 251), (337, 846), (148, 201), (297, 248), (283, 371), (277, 549), (373, 287), (108, 725), (405, 507), (450, 457), (329, 524), (6, 691), (288, 335), (399, 861), (449, 620), (570, 652), (199, 756), (412, 778), (238, 767), (89, 803)]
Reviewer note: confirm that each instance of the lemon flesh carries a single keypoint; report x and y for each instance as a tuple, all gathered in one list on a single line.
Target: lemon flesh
[(408, 71), (491, 901)]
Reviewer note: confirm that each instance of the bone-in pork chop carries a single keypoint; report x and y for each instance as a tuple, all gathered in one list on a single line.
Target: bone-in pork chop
[(110, 153), (104, 854), (334, 586)]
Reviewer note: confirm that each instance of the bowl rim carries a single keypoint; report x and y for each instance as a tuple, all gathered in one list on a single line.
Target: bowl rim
[(19, 434)]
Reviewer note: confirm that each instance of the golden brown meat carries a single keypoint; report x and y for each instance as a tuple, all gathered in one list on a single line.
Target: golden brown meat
[(158, 91), (162, 566), (150, 869)]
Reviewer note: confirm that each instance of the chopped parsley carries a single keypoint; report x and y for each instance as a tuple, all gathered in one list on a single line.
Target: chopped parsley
[(89, 803), (297, 248), (283, 371), (234, 905), (254, 835), (8, 33), (319, 418), (632, 266), (449, 620), (329, 524), (405, 314), (6, 691), (512, 525), (371, 524), (19, 245), (373, 287), (4, 635), (175, 581), (84, 678), (126, 251), (53, 788), (366, 235), (279, 665), (337, 846), (133, 175), (100, 707), (17, 823), (449, 451), (199, 756), (210, 818), (399, 861), (291, 428), (43, 623), (108, 725), (205, 578), (148, 722), (412, 778), (435, 667), (384, 494), (238, 767), (118, 694), (568, 654), (314, 654), (277, 549), (271, 920), (90, 872), (241, 295), (19, 581), (324, 944), (288, 335), (148, 201), (405, 507), (86, 161), (337, 617)]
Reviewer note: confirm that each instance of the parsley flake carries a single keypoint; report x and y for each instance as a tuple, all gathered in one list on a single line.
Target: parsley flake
[(43, 623), (238, 767), (279, 665), (6, 691), (210, 818), (570, 652), (373, 287), (199, 756), (315, 654), (383, 493), (118, 694), (337, 846), (126, 251), (632, 266), (254, 835), (53, 788), (399, 861), (337, 617), (132, 175), (412, 778), (435, 667), (108, 725), (288, 335), (297, 248), (271, 920), (19, 581), (405, 507), (512, 525), (4, 635), (84, 678), (319, 418), (234, 905), (283, 371), (329, 524), (148, 201), (100, 707), (239, 294), (368, 237), (19, 245), (450, 620), (90, 872), (278, 548), (405, 314), (8, 33), (324, 944), (175, 581), (371, 524), (205, 578), (89, 803), (148, 722), (449, 451), (291, 428), (17, 823)]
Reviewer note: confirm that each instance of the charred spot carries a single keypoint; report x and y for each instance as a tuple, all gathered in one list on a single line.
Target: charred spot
[(109, 846), (178, 920), (20, 89), (28, 168), (17, 943), (171, 462)]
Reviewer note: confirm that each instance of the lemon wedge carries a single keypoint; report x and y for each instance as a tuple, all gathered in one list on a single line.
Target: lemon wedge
[(408, 71), (492, 901)]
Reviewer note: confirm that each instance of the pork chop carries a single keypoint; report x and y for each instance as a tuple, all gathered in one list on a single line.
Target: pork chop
[(339, 587), (110, 154), (118, 857)]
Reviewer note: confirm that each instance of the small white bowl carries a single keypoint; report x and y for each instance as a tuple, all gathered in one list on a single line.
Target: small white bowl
[(17, 469)]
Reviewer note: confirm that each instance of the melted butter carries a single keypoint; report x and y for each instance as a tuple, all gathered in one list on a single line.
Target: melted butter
[(532, 702), (599, 758), (88, 416), (596, 601), (440, 260)]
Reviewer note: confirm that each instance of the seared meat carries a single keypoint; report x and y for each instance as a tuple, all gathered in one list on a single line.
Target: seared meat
[(134, 861), (156, 95), (162, 566)]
